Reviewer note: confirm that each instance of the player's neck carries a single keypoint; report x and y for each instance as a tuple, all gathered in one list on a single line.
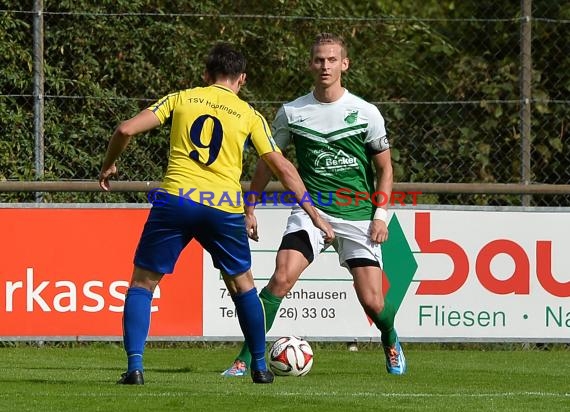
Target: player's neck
[(233, 86), (328, 94), (232, 83)]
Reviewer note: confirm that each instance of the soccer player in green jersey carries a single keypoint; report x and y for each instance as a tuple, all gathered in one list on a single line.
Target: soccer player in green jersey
[(210, 128), (341, 143)]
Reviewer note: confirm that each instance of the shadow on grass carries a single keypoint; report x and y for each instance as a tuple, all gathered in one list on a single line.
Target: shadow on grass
[(45, 381), (186, 369)]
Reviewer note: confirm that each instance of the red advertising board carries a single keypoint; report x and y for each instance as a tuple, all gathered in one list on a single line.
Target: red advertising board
[(64, 273)]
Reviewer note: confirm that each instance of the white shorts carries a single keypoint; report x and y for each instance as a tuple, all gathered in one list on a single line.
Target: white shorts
[(352, 236)]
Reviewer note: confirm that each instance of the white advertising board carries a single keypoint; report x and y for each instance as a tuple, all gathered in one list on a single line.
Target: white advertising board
[(454, 275)]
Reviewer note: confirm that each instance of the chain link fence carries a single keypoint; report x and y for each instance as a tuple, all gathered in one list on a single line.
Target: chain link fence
[(472, 91)]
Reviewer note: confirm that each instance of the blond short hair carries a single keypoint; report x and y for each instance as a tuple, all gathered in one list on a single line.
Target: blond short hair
[(330, 38)]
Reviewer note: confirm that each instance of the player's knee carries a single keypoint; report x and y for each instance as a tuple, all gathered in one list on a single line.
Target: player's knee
[(146, 279), (280, 284), (373, 306), (144, 284)]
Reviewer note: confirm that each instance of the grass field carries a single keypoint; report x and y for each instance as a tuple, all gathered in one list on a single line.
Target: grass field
[(82, 378)]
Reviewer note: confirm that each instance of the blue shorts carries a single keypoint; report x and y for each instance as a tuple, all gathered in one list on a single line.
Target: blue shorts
[(174, 221)]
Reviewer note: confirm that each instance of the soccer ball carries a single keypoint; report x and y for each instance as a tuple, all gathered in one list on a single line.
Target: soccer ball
[(290, 356)]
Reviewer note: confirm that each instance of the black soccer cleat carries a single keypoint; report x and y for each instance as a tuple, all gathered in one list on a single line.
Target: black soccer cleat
[(132, 378), (262, 376)]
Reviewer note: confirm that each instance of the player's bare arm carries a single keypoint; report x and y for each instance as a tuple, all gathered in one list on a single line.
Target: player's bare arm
[(142, 122), (384, 182), (290, 178), (261, 177)]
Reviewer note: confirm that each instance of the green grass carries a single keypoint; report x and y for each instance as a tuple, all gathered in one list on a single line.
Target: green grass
[(186, 377)]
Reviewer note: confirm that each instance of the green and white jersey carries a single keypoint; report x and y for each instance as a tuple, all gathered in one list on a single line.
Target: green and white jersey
[(330, 140)]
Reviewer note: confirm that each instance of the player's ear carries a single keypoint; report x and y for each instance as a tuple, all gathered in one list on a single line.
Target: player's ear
[(242, 79), (345, 64)]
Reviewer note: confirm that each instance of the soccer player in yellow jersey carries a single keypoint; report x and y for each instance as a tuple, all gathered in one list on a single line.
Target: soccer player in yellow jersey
[(197, 199)]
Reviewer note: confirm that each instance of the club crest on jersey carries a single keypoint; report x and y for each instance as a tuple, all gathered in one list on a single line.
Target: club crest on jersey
[(350, 116), (328, 163)]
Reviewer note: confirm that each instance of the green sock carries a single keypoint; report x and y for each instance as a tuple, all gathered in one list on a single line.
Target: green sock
[(270, 304), (385, 322)]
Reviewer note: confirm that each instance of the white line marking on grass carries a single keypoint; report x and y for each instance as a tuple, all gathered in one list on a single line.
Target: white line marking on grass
[(313, 394), (471, 395), (431, 395)]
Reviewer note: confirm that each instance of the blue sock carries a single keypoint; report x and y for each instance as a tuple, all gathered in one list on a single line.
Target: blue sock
[(252, 322), (136, 322)]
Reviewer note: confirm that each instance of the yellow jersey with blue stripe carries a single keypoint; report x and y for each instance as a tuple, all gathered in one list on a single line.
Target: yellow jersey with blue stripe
[(211, 127)]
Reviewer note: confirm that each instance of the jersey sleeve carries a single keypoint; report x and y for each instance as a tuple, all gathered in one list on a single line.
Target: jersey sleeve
[(376, 129), (164, 107), (260, 135), (280, 129)]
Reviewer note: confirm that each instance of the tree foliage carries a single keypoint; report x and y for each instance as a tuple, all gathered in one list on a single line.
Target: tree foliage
[(106, 60)]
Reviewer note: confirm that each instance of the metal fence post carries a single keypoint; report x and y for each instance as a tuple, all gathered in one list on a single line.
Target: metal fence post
[(526, 94), (38, 27)]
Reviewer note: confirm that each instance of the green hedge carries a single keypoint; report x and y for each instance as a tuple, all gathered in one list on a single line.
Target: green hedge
[(105, 62)]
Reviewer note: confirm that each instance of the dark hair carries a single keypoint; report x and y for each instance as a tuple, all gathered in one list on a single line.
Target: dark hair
[(224, 60), (330, 38)]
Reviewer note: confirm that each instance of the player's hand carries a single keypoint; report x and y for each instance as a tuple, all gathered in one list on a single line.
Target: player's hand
[(378, 231), (105, 175), (251, 226), (326, 228)]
